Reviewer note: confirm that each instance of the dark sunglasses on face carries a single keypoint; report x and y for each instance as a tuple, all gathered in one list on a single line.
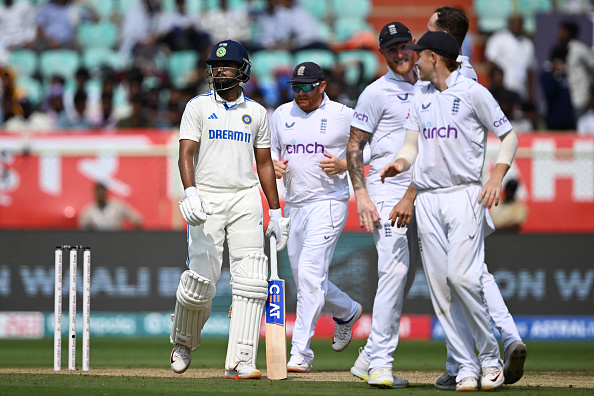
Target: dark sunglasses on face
[(304, 87)]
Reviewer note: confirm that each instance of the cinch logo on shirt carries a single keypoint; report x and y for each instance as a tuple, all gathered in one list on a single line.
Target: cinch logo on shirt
[(309, 148), (360, 116), (500, 122), (440, 132), (229, 135)]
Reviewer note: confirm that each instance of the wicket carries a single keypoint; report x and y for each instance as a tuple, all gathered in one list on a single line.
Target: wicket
[(72, 307)]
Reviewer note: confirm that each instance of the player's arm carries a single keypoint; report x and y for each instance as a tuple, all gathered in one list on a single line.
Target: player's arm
[(194, 208), (187, 149), (406, 155), (368, 214), (507, 151), (401, 213), (265, 169)]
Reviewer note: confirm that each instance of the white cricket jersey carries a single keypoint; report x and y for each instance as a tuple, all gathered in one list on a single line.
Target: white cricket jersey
[(453, 127), (227, 133), (302, 138), (381, 110), (466, 68)]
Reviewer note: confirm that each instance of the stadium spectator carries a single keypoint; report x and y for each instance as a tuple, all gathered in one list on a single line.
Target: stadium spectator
[(179, 31), (77, 120), (17, 24), (53, 103), (511, 214), (236, 27), (139, 28), (137, 118), (57, 20), (579, 66), (29, 121), (105, 214), (106, 120), (553, 81), (585, 123), (513, 52), (509, 101)]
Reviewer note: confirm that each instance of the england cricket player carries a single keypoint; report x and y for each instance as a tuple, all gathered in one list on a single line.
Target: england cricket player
[(309, 137), (222, 132), (454, 21), (445, 139), (378, 120)]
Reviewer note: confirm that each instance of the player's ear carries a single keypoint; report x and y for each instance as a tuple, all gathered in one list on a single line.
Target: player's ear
[(414, 40), (322, 86)]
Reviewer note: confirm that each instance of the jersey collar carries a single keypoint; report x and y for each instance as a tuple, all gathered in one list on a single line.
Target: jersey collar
[(390, 75), (229, 105), (453, 78), (324, 101)]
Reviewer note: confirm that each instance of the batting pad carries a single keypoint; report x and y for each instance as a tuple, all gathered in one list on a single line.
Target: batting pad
[(192, 309), (250, 291)]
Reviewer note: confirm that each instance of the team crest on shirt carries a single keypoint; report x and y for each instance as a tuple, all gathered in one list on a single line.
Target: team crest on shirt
[(247, 119), (323, 125), (456, 106)]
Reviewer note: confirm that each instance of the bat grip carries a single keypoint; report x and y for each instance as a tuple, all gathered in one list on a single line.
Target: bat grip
[(273, 258)]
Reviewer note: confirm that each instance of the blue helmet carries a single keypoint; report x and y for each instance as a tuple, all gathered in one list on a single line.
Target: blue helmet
[(230, 50)]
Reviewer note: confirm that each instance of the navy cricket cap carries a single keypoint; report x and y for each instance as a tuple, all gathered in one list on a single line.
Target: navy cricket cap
[(441, 43), (307, 73), (394, 32)]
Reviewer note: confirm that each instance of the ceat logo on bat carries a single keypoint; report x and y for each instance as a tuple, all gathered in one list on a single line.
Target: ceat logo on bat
[(275, 305)]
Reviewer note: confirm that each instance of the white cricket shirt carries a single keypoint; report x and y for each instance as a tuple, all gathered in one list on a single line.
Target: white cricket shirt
[(227, 133), (466, 68), (453, 127), (381, 110), (302, 138)]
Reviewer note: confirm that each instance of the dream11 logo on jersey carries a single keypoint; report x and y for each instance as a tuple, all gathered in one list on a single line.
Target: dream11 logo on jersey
[(443, 132), (309, 148)]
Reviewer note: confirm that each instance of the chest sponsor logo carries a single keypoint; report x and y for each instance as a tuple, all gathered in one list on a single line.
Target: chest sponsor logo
[(361, 117), (303, 148), (440, 132), (426, 106), (224, 134), (500, 122), (289, 126), (213, 116), (403, 97)]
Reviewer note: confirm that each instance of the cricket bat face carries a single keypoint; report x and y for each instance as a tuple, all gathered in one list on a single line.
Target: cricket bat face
[(276, 346)]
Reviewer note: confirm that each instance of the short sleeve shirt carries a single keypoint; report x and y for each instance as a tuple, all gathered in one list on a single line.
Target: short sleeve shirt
[(303, 138), (227, 133), (453, 127), (381, 110)]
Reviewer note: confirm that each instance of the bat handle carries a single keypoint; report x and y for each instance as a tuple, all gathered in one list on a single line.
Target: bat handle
[(273, 259)]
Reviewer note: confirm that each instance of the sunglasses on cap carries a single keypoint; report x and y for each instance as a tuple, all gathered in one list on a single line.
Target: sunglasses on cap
[(304, 87)]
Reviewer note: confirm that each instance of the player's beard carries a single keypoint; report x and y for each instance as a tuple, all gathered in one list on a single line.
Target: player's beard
[(224, 83), (405, 68)]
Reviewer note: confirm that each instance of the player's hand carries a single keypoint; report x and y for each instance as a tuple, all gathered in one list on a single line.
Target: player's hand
[(402, 212), (280, 226), (193, 208), (333, 165), (368, 214), (489, 195), (280, 167), (391, 170)]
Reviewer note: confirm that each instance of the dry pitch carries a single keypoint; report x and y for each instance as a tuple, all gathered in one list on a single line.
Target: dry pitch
[(544, 379)]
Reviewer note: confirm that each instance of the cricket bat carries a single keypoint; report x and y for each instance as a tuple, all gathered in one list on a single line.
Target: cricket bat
[(276, 343)]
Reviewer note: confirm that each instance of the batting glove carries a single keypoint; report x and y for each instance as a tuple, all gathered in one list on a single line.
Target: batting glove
[(280, 226), (193, 208)]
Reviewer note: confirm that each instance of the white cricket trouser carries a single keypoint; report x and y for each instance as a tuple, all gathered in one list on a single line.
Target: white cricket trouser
[(391, 244), (451, 239), (315, 228), (238, 215)]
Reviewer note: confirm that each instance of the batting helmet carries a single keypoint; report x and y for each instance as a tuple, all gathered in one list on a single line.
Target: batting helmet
[(230, 50)]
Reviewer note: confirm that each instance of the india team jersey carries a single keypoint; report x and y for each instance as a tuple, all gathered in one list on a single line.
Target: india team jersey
[(227, 133), (381, 110), (453, 127), (303, 138)]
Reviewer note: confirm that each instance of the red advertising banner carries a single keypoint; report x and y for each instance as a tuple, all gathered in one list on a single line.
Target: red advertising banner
[(47, 179)]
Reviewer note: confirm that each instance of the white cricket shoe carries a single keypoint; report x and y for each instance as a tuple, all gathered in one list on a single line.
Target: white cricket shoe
[(492, 378), (382, 377), (181, 357), (513, 362), (344, 331), (298, 364), (445, 382), (243, 371), (361, 367), (468, 384)]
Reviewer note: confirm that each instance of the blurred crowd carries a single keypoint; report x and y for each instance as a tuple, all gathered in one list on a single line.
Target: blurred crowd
[(112, 69), (117, 64)]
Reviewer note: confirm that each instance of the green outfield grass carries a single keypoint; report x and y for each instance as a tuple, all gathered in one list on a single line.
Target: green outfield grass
[(576, 358)]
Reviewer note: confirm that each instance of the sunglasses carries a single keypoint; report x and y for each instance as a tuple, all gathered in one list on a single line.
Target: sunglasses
[(304, 87)]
